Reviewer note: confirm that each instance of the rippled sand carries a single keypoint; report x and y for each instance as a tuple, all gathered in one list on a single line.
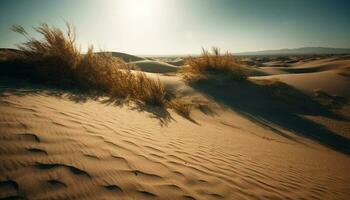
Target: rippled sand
[(54, 148)]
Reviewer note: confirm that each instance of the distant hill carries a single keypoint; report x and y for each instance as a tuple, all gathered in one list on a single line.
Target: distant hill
[(127, 57), (124, 56), (9, 49), (299, 51)]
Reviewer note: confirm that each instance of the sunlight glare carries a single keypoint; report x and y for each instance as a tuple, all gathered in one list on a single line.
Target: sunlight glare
[(143, 10)]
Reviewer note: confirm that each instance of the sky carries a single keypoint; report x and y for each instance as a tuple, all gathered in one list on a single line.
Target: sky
[(169, 27)]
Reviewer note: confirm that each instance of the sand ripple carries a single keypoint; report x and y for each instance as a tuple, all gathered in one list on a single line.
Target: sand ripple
[(53, 148)]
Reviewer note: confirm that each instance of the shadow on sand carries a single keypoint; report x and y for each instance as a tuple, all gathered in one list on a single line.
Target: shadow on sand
[(23, 88), (276, 106)]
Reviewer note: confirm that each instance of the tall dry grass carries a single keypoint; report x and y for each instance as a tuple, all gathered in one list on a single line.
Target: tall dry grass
[(52, 58), (56, 59), (214, 63)]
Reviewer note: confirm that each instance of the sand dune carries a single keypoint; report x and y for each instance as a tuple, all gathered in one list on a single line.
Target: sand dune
[(177, 62), (324, 74), (244, 144), (127, 57), (300, 51), (53, 147), (154, 66), (313, 66), (326, 80), (331, 82)]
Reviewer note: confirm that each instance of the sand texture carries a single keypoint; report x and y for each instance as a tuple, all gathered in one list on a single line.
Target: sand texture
[(241, 145)]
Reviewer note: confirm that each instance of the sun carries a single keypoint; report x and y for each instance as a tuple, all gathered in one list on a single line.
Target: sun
[(140, 10)]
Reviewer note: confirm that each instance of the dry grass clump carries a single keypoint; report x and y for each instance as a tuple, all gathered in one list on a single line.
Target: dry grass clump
[(103, 72), (214, 63), (55, 59), (181, 107)]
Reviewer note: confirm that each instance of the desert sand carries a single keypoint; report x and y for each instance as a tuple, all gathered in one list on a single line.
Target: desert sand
[(238, 144)]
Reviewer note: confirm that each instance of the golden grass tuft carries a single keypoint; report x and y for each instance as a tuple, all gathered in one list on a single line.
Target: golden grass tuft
[(56, 59), (181, 107), (213, 63)]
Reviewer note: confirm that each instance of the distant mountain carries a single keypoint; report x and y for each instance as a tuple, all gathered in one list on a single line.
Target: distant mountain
[(299, 51)]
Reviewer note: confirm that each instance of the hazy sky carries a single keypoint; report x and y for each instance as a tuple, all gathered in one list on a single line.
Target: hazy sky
[(184, 26)]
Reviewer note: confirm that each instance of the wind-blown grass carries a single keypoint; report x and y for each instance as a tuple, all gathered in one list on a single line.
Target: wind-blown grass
[(213, 63), (55, 59), (181, 107)]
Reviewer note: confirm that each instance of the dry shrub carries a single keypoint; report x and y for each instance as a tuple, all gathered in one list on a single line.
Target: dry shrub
[(214, 63), (181, 107), (56, 59), (148, 90), (53, 58)]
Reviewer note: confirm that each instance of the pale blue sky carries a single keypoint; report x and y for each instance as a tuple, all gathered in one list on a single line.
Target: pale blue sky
[(184, 26)]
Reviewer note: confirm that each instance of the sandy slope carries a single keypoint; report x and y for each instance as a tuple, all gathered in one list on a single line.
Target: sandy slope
[(328, 74), (55, 145)]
